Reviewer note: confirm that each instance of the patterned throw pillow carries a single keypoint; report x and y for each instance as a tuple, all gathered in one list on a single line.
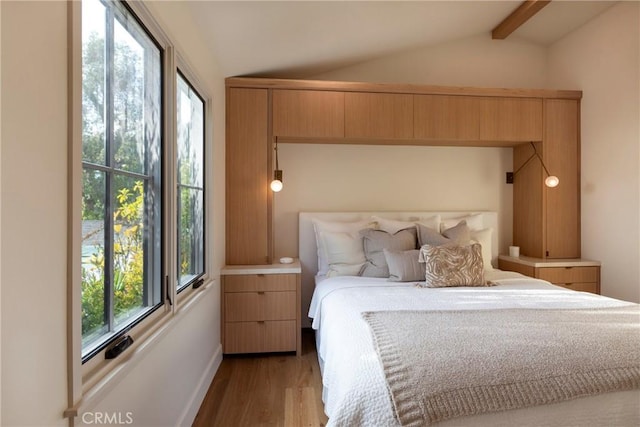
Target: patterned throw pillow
[(450, 265)]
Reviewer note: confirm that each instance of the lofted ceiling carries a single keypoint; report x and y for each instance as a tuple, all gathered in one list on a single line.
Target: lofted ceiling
[(299, 39)]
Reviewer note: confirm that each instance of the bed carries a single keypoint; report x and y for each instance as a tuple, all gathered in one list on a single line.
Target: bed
[(357, 321)]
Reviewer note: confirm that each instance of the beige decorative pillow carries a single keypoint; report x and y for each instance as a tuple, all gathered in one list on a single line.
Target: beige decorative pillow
[(404, 266), (459, 234), (375, 241), (447, 265)]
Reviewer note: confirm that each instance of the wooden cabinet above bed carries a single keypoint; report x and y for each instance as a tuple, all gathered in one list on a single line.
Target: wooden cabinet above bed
[(446, 117), (308, 113), (510, 119), (261, 111), (378, 115)]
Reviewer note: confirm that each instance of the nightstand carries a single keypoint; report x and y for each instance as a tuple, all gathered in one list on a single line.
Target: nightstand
[(261, 308), (576, 274)]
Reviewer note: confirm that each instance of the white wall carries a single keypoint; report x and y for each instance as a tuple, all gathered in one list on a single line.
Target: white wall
[(602, 59), (473, 61), (334, 177), (34, 213), (0, 215), (164, 388)]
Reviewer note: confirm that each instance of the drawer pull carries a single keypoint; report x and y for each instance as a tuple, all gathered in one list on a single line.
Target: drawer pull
[(568, 284), (260, 322), (260, 292), (260, 275)]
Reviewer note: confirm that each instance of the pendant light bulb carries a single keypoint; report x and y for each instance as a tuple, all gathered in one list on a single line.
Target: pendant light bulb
[(552, 181), (276, 184)]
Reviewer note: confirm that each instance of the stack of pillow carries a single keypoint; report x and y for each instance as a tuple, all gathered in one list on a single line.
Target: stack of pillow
[(449, 252)]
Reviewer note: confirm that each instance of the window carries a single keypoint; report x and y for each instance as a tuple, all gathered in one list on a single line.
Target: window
[(190, 179), (122, 173)]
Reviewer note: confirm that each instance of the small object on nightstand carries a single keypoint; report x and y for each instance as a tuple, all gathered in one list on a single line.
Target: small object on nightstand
[(286, 260), (514, 251)]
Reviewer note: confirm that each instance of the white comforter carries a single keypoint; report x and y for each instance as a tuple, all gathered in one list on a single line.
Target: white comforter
[(355, 392)]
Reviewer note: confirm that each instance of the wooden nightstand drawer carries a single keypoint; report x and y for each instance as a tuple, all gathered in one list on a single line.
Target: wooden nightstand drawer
[(260, 282), (577, 274), (251, 306), (582, 287), (257, 337), (261, 308), (566, 275)]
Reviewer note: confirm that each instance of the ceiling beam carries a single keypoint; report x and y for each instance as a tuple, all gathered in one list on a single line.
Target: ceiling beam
[(518, 17)]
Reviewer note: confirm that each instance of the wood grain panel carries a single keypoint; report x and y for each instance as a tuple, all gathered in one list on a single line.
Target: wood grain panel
[(255, 306), (265, 83), (257, 337), (446, 117), (581, 287), (510, 119), (563, 275), (260, 282), (247, 175), (562, 157), (308, 113), (527, 270), (378, 115), (528, 207)]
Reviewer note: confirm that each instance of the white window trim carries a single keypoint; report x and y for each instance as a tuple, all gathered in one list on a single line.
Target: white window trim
[(88, 384)]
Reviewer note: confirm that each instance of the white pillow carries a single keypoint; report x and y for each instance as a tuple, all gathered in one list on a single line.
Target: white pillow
[(344, 253), (352, 227), (474, 222), (484, 237), (392, 226), (432, 222)]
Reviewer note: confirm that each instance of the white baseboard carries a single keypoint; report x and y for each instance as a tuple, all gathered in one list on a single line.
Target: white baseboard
[(195, 400)]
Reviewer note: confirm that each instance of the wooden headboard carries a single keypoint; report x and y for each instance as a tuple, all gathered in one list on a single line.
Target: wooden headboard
[(308, 252)]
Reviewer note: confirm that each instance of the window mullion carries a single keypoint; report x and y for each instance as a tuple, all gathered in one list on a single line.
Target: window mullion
[(170, 225), (110, 176)]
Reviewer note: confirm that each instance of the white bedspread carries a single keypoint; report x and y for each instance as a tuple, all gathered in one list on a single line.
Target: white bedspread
[(355, 391)]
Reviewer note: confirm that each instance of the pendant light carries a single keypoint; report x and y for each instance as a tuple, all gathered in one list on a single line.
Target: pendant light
[(550, 181), (276, 184)]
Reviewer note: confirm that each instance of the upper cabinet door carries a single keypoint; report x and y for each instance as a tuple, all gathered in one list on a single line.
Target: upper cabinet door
[(378, 115), (562, 157), (445, 117), (511, 119), (308, 113)]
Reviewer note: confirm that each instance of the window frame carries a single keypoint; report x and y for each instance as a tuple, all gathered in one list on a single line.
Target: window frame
[(183, 71), (90, 380), (154, 180)]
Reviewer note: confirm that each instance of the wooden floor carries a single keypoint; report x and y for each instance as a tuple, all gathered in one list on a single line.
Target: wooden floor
[(270, 390)]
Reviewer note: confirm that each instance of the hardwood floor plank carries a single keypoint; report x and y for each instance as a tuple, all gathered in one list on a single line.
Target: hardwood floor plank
[(266, 390), (296, 402)]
